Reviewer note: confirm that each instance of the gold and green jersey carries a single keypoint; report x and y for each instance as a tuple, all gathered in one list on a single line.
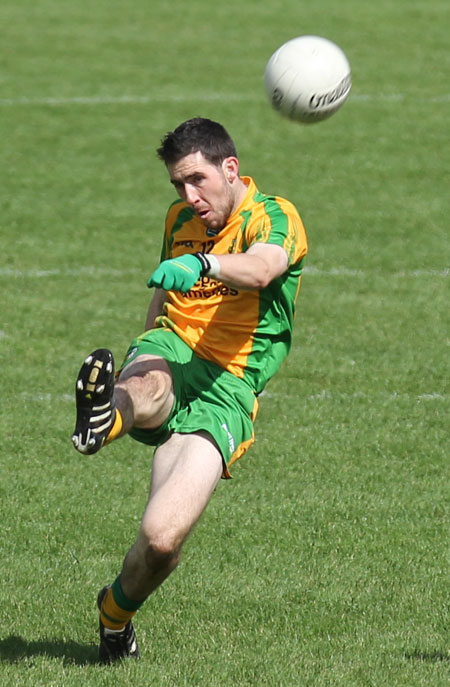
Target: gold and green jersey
[(247, 332)]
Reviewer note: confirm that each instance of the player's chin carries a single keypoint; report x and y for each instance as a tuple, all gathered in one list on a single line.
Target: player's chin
[(212, 222)]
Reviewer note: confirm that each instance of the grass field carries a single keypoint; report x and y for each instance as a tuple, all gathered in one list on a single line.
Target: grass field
[(324, 562)]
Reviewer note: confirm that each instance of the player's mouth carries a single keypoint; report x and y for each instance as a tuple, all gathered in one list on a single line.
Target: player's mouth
[(203, 214)]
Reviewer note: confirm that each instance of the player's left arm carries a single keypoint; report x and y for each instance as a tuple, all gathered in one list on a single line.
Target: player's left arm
[(254, 269)]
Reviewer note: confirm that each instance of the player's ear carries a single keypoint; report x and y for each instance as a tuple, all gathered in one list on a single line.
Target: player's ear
[(230, 168)]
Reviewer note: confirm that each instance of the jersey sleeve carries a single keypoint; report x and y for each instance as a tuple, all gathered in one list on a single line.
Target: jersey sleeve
[(278, 222)]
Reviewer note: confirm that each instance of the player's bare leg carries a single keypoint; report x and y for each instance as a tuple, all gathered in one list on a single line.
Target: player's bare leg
[(186, 470)]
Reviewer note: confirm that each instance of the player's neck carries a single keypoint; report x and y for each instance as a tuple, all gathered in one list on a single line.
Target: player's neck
[(241, 192)]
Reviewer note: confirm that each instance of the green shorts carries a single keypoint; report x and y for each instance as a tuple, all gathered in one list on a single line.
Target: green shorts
[(207, 397)]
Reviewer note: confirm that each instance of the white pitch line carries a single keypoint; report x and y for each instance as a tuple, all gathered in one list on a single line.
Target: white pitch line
[(69, 272), (129, 99), (349, 272), (325, 395), (95, 100), (46, 397), (309, 270)]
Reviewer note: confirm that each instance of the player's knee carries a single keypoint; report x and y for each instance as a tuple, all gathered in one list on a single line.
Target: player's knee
[(153, 385), (147, 378), (162, 552), (148, 386)]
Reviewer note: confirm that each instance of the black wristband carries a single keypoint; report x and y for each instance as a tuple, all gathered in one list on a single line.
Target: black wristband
[(206, 266)]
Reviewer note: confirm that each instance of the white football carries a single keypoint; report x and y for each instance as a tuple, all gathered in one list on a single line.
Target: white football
[(308, 79)]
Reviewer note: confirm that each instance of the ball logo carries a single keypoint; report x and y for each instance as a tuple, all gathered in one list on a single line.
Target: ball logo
[(329, 98)]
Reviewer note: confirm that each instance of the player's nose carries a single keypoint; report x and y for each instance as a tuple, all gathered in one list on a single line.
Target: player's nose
[(191, 194)]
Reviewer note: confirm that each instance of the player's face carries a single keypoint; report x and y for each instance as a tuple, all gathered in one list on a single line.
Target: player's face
[(207, 188)]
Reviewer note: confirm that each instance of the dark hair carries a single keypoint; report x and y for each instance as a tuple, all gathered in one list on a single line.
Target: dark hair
[(197, 135)]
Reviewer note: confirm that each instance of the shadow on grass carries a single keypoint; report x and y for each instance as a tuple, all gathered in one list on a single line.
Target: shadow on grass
[(14, 649), (429, 656)]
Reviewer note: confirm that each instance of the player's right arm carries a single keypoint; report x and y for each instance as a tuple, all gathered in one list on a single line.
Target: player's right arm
[(155, 308)]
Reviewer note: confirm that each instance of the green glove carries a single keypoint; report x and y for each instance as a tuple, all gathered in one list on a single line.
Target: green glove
[(178, 274)]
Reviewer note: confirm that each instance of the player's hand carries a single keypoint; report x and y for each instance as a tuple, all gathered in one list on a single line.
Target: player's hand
[(177, 274)]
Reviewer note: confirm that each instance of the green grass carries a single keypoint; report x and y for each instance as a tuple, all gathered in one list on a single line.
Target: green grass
[(325, 561)]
